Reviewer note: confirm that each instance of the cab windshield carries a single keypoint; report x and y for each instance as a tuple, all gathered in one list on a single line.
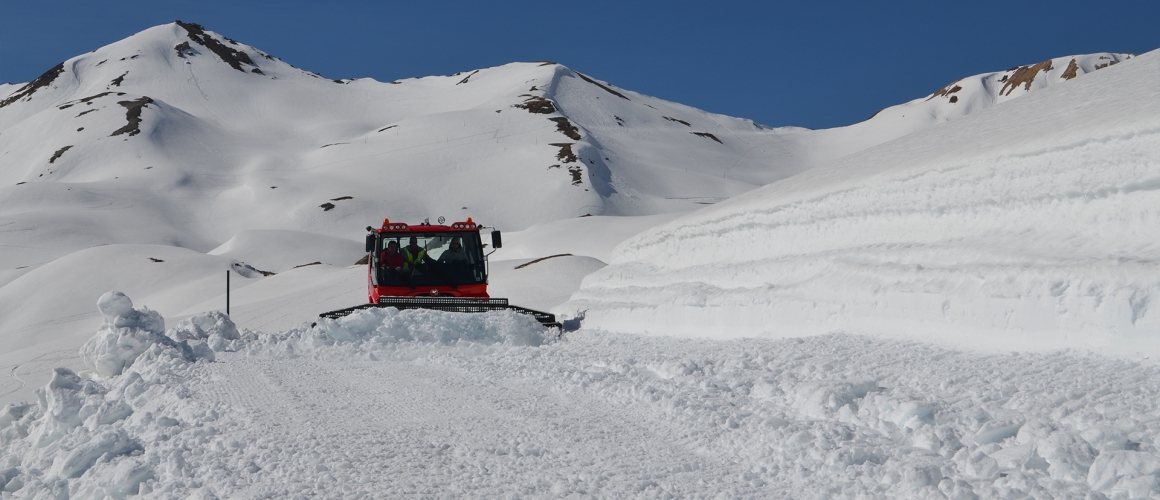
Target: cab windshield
[(426, 259)]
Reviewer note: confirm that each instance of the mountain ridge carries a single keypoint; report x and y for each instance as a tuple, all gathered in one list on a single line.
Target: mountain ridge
[(178, 135)]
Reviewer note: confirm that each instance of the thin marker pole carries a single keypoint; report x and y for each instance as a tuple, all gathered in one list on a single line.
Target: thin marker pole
[(227, 292)]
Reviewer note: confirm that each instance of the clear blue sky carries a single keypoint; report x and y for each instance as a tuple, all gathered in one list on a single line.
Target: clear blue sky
[(808, 63)]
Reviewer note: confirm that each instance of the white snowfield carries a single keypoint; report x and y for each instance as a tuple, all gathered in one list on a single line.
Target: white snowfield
[(1031, 225), (881, 278), (429, 404)]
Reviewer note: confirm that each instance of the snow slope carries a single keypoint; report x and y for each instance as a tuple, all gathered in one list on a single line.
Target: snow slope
[(217, 149), (430, 404), (274, 250), (183, 137), (1027, 225)]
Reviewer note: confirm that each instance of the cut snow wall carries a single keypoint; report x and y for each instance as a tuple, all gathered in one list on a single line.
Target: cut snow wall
[(1028, 225)]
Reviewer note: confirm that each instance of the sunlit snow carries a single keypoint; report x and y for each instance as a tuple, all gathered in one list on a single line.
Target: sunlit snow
[(953, 299)]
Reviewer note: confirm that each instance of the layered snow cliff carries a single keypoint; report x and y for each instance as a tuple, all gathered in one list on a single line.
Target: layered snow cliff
[(1027, 225)]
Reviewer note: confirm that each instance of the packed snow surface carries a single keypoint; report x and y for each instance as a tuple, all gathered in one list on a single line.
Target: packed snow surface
[(433, 404), (1030, 225)]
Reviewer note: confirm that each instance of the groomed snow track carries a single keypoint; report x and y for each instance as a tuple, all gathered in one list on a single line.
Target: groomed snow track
[(449, 304)]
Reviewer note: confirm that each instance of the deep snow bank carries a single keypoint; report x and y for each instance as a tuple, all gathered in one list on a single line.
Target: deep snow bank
[(1027, 225)]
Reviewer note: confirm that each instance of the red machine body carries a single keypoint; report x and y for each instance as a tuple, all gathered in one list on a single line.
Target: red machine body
[(426, 266), (436, 275)]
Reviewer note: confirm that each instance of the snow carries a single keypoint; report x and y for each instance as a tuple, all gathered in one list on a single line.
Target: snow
[(540, 284), (223, 152), (277, 251), (883, 318), (420, 403), (1025, 226), (593, 236), (126, 334)]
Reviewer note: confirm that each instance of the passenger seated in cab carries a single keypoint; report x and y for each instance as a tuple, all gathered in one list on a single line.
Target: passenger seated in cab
[(392, 262), (417, 264), (413, 255), (454, 252), (454, 259)]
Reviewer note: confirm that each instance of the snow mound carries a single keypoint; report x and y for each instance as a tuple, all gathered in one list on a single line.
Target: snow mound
[(127, 333), (79, 425), (389, 325), (213, 328)]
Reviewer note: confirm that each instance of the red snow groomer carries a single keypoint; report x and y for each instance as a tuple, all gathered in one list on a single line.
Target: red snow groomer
[(432, 266)]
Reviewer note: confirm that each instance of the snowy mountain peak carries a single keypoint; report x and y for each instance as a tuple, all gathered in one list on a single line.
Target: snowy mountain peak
[(235, 58)]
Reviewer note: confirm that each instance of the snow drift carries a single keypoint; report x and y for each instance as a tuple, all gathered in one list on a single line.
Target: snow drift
[(425, 403), (1028, 225)]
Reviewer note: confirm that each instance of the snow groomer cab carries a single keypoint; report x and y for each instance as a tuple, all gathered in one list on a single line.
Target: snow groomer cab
[(430, 260)]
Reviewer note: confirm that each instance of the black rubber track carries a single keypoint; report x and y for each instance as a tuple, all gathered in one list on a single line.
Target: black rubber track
[(450, 304)]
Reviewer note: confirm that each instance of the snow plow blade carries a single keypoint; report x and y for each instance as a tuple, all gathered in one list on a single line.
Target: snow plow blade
[(451, 304)]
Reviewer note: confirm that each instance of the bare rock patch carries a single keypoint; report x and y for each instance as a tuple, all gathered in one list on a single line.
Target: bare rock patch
[(541, 259), (58, 153), (707, 136), (468, 77), (1072, 70), (40, 82), (946, 91), (1024, 75), (133, 115), (117, 81), (235, 58), (565, 127), (602, 86), (183, 49), (537, 104), (577, 173), (565, 155)]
